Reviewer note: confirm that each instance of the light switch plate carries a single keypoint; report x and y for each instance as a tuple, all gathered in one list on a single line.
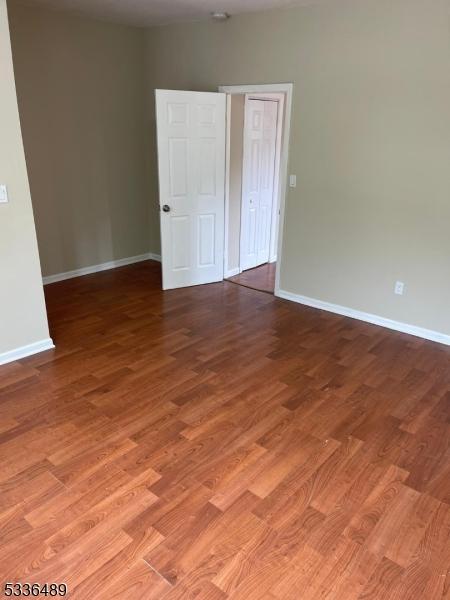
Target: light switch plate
[(3, 194), (292, 181)]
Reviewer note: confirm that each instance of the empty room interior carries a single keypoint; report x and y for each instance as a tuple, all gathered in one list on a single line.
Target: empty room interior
[(225, 299)]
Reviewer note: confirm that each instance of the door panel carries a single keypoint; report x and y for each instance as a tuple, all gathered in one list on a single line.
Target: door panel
[(206, 228), (251, 239), (180, 231), (207, 167), (178, 166), (191, 164), (260, 134)]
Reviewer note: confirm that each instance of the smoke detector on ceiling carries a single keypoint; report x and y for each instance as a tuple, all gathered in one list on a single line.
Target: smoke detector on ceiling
[(219, 15)]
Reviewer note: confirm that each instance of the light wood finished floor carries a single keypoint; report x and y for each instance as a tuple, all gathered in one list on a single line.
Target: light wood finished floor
[(216, 443), (261, 278)]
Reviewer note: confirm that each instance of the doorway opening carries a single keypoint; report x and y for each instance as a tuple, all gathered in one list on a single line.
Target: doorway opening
[(255, 183), (201, 225)]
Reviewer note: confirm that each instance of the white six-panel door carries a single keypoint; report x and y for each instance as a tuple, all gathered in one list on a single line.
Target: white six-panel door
[(260, 137), (191, 163)]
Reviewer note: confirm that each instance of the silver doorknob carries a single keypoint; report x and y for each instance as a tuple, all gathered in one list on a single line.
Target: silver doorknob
[(166, 208)]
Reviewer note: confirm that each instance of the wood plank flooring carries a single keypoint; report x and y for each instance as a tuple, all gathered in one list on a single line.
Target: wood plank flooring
[(261, 278), (216, 442)]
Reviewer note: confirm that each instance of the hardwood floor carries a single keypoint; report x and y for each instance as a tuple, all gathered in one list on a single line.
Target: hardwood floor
[(261, 278), (216, 443)]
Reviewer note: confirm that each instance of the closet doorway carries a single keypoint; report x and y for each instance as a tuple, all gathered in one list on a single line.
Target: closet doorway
[(255, 131)]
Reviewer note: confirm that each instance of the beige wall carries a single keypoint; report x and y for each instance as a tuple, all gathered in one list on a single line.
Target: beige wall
[(370, 141), (235, 196), (23, 319), (81, 97)]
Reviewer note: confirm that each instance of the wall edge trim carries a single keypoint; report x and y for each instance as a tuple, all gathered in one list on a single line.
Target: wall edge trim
[(421, 332), (24, 351), (232, 272), (112, 264)]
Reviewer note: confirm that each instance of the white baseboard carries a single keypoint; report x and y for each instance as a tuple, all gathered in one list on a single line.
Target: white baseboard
[(420, 332), (232, 272), (113, 264), (23, 351)]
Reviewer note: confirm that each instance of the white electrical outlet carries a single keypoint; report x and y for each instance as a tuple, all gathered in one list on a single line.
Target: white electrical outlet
[(399, 288), (292, 181), (3, 194)]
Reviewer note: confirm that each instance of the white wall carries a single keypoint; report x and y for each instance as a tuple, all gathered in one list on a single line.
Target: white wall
[(23, 319)]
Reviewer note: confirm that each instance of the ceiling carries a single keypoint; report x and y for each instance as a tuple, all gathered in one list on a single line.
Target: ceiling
[(158, 12)]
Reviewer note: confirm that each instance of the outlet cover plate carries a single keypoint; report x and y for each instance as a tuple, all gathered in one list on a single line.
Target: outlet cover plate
[(3, 194)]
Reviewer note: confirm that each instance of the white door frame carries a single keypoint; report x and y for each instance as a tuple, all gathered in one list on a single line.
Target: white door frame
[(272, 88)]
